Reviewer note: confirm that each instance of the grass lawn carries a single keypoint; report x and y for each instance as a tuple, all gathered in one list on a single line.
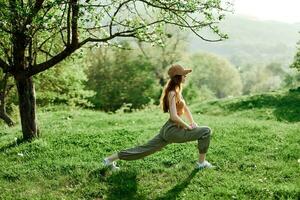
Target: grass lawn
[(256, 154)]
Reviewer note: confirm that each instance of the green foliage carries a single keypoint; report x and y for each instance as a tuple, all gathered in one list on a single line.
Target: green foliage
[(216, 74), (280, 105), (292, 80), (262, 78), (275, 69), (120, 77), (142, 20), (171, 50), (41, 34), (296, 63), (254, 158), (65, 83), (192, 93)]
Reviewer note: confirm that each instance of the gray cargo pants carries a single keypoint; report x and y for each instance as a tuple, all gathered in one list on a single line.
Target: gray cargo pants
[(169, 133)]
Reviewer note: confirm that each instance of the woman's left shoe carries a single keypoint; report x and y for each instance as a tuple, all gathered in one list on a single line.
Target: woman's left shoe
[(204, 164), (112, 165)]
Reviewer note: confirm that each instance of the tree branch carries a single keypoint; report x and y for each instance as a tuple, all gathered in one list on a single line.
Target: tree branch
[(37, 7), (68, 25), (47, 53), (115, 14), (72, 48), (60, 29), (74, 22), (72, 43), (166, 7), (38, 28), (2, 96), (191, 28)]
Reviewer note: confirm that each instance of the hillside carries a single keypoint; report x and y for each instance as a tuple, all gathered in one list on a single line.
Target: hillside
[(251, 41), (256, 155), (278, 106)]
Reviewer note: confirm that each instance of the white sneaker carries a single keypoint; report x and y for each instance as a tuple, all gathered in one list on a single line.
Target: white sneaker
[(109, 164), (204, 164)]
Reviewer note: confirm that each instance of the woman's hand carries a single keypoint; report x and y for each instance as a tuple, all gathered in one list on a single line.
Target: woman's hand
[(193, 125)]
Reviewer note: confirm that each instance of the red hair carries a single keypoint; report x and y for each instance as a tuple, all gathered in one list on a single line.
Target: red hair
[(173, 84)]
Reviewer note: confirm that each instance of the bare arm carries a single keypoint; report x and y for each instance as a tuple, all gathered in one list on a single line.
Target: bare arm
[(173, 110)]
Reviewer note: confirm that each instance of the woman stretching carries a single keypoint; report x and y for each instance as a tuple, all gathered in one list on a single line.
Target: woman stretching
[(175, 130)]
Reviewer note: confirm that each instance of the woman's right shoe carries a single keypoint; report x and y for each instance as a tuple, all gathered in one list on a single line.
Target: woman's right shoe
[(112, 165), (204, 164)]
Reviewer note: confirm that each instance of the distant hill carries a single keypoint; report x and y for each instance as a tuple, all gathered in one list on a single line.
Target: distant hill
[(251, 41)]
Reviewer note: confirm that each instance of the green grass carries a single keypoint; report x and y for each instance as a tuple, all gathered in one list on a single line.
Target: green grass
[(257, 157), (280, 106)]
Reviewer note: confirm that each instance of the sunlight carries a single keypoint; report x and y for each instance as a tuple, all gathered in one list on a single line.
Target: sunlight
[(285, 11)]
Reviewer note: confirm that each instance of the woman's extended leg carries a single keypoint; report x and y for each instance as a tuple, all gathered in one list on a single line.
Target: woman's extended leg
[(113, 157), (153, 145)]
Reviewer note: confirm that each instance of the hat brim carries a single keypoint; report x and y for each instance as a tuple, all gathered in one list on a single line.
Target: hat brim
[(186, 71)]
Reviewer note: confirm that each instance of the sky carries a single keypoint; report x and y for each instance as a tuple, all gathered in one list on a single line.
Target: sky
[(278, 10)]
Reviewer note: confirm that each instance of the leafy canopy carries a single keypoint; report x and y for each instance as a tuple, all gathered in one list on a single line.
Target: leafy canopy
[(28, 27)]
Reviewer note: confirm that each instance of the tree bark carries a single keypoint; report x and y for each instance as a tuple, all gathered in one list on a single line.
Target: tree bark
[(6, 119), (27, 107), (3, 94)]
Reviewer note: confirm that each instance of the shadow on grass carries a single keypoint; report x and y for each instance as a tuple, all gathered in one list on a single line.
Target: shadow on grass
[(123, 185), (286, 107), (120, 184), (177, 189)]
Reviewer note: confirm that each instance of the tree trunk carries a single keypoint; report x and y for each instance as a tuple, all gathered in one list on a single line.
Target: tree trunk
[(27, 105)]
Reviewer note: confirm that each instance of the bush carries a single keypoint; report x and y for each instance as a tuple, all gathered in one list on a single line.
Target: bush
[(192, 93), (120, 77), (63, 84), (215, 74)]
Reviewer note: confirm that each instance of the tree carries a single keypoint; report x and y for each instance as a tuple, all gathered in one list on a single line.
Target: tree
[(293, 79), (169, 50), (28, 27), (216, 74), (64, 84), (119, 76), (262, 78), (296, 63)]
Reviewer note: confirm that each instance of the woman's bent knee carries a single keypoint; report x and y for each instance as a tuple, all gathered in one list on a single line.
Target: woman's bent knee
[(205, 132), (209, 131)]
